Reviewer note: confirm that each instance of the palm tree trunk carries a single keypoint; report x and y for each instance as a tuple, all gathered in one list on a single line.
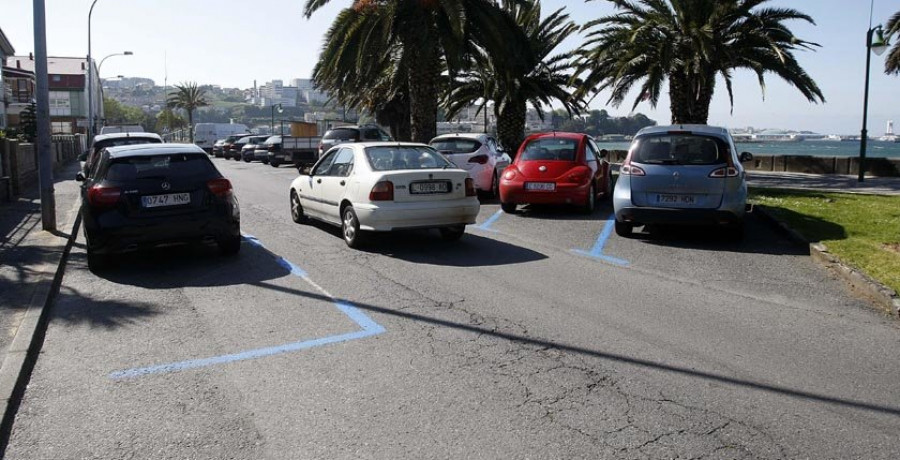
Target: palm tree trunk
[(511, 126), (191, 125), (690, 96), (420, 44)]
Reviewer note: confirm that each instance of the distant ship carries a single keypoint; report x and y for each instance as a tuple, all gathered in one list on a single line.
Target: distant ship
[(889, 135)]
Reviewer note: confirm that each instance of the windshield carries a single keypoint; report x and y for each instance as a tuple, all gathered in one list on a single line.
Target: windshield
[(451, 145), (343, 134), (125, 141), (393, 158), (551, 148), (680, 149)]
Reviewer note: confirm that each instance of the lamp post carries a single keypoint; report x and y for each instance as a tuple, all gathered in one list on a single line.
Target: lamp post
[(280, 110), (92, 121), (90, 79), (875, 43)]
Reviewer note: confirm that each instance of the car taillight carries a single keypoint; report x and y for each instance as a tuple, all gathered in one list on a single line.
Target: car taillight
[(104, 197), (470, 187), (382, 191), (509, 174), (631, 170), (480, 159), (220, 187), (729, 171)]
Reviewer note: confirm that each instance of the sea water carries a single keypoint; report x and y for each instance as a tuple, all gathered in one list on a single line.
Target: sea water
[(874, 149)]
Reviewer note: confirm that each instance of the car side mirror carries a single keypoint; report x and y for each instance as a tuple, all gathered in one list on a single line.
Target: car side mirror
[(83, 156), (746, 156), (604, 153), (79, 177)]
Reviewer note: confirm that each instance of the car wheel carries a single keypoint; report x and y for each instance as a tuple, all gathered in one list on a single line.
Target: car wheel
[(97, 262), (247, 160), (350, 228), (624, 228), (265, 162), (297, 214), (591, 201), (230, 246), (495, 186), (452, 233), (274, 163), (509, 208), (608, 193)]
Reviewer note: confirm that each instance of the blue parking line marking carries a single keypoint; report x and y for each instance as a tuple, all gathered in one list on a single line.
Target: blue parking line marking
[(486, 225), (368, 327), (597, 251)]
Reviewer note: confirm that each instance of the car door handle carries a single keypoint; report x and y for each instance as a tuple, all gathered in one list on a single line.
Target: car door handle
[(343, 183), (318, 181)]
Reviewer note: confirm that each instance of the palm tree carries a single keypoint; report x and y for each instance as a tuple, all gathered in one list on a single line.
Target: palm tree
[(428, 33), (512, 82), (690, 42), (363, 69), (892, 63), (190, 97)]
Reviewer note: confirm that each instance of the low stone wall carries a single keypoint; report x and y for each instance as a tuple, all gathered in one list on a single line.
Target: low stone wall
[(19, 162), (878, 167)]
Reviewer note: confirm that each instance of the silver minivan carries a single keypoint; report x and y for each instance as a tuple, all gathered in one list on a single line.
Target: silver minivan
[(682, 174)]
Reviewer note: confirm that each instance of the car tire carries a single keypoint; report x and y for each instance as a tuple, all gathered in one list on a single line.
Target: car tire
[(608, 193), (495, 186), (97, 262), (247, 160), (274, 163), (509, 208), (624, 228), (452, 233), (230, 246), (297, 213), (591, 204), (350, 228), (265, 162)]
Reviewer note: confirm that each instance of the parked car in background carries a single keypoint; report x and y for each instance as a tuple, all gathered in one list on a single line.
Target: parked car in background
[(352, 133), (206, 134), (252, 143), (476, 153), (682, 174), (102, 141), (233, 150), (143, 196), (380, 187), (556, 168), (220, 147), (300, 151)]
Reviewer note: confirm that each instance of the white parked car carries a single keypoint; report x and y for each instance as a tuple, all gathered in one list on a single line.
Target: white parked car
[(476, 153), (384, 186)]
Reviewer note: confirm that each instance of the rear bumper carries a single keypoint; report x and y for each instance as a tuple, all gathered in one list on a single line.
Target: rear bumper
[(138, 235), (564, 194), (397, 216), (644, 215)]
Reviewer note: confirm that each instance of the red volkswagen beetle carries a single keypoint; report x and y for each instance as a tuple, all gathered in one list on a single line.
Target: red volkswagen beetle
[(556, 168)]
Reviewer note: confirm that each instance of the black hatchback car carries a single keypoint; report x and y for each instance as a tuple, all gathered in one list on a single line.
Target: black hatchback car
[(143, 196)]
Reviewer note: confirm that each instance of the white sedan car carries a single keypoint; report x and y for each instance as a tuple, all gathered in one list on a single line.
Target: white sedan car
[(476, 153), (384, 186)]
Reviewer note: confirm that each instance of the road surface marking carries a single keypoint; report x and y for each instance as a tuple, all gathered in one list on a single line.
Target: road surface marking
[(597, 251)]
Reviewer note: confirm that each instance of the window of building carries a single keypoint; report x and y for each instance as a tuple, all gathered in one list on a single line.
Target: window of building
[(61, 127), (60, 104)]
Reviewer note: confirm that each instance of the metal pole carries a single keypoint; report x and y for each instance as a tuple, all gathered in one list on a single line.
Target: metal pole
[(864, 134), (90, 79), (272, 124), (44, 155)]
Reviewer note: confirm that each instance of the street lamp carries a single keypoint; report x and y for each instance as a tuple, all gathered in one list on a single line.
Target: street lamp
[(124, 53), (272, 125), (875, 43), (90, 79)]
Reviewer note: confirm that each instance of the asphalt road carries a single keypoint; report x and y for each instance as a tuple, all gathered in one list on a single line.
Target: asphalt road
[(507, 344)]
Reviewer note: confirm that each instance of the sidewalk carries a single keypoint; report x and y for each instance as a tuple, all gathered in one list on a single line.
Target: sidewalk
[(824, 182), (29, 261)]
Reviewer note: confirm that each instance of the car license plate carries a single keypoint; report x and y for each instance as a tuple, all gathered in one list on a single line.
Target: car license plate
[(429, 187), (547, 186), (172, 199), (675, 199)]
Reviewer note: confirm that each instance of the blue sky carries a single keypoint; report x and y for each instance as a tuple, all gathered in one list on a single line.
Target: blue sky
[(231, 42)]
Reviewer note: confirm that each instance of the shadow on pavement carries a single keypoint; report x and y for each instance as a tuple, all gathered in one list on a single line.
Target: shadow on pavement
[(564, 212), (759, 238), (75, 307), (612, 357), (190, 266)]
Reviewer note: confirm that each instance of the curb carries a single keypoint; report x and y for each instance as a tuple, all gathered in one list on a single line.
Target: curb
[(26, 345), (885, 297)]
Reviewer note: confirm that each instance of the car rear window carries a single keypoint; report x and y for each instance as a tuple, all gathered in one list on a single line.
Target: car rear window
[(395, 158), (451, 145), (343, 134), (176, 165), (551, 148), (680, 149)]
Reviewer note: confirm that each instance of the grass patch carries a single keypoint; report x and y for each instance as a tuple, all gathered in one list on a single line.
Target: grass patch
[(863, 230)]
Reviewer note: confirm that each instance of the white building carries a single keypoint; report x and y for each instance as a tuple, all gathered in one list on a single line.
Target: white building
[(6, 49)]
